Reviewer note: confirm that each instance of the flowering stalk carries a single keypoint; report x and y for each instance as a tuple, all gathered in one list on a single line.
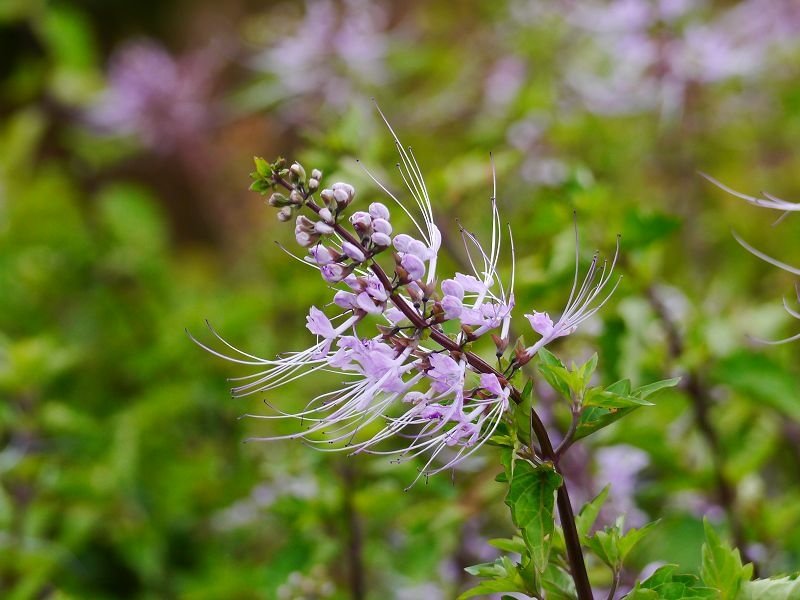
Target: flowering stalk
[(406, 372)]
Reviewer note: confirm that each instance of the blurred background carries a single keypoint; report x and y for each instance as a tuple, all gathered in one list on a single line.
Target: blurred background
[(127, 131)]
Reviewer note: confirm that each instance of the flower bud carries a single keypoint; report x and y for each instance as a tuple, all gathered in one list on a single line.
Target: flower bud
[(296, 198), (343, 193), (333, 273), (298, 172), (278, 200), (316, 174), (327, 196), (285, 214), (413, 266), (378, 211), (362, 222), (313, 185), (401, 242), (382, 226), (306, 239), (353, 251), (323, 228), (451, 287), (381, 239), (325, 215)]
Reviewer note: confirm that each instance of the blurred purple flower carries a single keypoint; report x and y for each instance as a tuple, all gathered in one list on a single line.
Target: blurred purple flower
[(161, 99), (335, 49)]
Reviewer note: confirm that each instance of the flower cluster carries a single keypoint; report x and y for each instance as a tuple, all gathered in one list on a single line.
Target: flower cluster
[(401, 336)]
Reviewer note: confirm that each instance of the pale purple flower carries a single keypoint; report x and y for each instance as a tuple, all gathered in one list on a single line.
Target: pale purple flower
[(452, 306), (541, 323), (451, 403), (583, 302)]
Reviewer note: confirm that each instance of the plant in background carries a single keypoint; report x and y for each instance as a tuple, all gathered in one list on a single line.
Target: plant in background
[(406, 342)]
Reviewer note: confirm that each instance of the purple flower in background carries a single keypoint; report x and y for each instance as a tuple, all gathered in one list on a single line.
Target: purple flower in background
[(646, 54), (619, 467), (404, 377), (335, 49), (161, 99)]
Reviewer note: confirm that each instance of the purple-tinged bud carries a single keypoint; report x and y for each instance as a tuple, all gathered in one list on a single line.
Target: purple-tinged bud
[(326, 215), (343, 193), (452, 307), (296, 198), (305, 239), (362, 222), (382, 226), (541, 323), (451, 287), (378, 211), (327, 196), (278, 200), (323, 228), (316, 174), (304, 232), (401, 242), (333, 273), (353, 251), (321, 255), (313, 185), (345, 299), (381, 240), (415, 291), (285, 214), (413, 266), (297, 171)]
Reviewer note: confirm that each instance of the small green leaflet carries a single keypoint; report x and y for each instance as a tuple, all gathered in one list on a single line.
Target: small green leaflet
[(531, 497)]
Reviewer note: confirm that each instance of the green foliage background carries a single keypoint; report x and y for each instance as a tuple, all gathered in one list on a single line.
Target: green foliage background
[(122, 468)]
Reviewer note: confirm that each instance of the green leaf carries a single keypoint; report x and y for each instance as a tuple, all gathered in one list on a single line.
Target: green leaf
[(652, 388), (621, 387), (586, 370), (588, 515), (721, 566), (605, 546), (505, 574), (558, 584), (262, 166), (595, 418), (665, 585), (605, 399), (531, 498), (515, 544), (555, 373), (632, 537), (777, 588)]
